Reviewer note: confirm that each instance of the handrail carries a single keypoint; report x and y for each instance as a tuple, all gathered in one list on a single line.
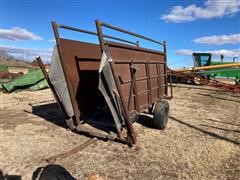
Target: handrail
[(96, 34), (133, 47), (112, 37), (130, 33)]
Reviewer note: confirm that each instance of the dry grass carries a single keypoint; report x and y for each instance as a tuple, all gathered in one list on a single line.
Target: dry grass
[(201, 141)]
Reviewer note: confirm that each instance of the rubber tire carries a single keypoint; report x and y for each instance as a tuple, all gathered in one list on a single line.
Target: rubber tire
[(160, 115)]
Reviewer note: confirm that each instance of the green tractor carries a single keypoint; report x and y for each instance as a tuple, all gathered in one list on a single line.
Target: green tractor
[(216, 69)]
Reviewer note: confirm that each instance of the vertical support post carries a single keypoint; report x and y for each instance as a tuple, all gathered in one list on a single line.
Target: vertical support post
[(165, 67), (158, 80), (133, 73), (100, 33), (148, 83), (170, 78), (136, 92), (138, 44), (74, 105), (130, 130)]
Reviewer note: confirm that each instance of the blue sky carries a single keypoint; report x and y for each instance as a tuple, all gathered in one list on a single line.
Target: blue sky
[(187, 26)]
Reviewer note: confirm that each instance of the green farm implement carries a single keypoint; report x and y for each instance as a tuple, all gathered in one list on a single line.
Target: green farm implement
[(205, 67)]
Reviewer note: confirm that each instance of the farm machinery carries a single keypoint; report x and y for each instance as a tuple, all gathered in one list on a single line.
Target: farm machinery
[(206, 71)]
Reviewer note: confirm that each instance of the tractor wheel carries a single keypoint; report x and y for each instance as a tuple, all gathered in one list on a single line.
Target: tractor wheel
[(160, 115)]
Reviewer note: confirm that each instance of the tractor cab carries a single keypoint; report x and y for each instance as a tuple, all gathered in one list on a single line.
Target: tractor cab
[(201, 59)]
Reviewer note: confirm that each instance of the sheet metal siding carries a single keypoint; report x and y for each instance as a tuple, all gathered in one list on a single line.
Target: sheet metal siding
[(81, 59), (147, 80)]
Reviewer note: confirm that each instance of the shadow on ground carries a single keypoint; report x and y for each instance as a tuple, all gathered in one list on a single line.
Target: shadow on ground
[(217, 121), (145, 120), (219, 128), (51, 113), (205, 131), (225, 99)]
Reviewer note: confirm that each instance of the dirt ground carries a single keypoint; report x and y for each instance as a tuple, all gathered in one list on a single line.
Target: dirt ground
[(202, 140)]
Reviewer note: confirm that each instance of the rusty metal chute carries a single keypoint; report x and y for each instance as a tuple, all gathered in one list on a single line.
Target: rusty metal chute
[(109, 84)]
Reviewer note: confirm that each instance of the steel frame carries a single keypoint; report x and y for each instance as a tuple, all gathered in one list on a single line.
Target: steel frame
[(105, 45)]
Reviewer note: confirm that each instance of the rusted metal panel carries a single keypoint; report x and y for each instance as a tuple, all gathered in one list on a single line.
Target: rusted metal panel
[(119, 53), (126, 78), (56, 96), (147, 75), (79, 58)]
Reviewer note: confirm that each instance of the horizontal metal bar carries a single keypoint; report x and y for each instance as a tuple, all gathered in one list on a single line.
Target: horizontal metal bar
[(131, 33), (96, 34), (151, 77), (146, 91), (144, 78), (82, 129), (137, 62), (142, 92), (114, 44), (154, 88), (119, 39), (76, 29)]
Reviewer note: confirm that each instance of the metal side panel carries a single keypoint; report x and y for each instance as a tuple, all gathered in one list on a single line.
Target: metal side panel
[(108, 88), (58, 80)]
